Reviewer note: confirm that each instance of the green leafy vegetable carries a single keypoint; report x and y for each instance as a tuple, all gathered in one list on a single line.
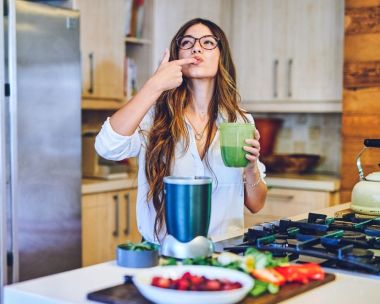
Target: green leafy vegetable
[(168, 262), (261, 287), (143, 246), (265, 259), (272, 288)]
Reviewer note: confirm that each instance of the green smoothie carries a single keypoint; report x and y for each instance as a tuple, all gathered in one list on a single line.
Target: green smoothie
[(234, 158), (232, 140)]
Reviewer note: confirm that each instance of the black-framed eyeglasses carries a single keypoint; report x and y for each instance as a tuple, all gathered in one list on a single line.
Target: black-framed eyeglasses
[(208, 42)]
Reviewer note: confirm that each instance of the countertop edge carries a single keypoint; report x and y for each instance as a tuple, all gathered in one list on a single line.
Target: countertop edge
[(329, 185), (92, 186)]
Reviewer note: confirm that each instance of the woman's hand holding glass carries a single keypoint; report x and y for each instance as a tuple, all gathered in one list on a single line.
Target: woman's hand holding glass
[(253, 149), (169, 74)]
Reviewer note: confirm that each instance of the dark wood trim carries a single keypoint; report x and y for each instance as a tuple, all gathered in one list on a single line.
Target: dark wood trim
[(362, 20), (361, 74)]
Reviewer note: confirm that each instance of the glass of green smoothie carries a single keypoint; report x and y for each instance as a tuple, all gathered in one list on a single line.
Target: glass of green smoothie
[(232, 140)]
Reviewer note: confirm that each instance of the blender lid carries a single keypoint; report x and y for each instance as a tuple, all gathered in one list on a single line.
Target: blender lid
[(187, 180)]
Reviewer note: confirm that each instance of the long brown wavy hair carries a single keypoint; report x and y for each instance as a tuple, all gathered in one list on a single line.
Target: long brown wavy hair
[(169, 123)]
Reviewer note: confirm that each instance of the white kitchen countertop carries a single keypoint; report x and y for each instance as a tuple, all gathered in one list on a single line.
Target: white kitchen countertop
[(93, 185), (73, 286), (316, 182)]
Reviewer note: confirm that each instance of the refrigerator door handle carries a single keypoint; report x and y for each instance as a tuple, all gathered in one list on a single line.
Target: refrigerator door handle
[(12, 132), (3, 161), (116, 202), (91, 59), (127, 223)]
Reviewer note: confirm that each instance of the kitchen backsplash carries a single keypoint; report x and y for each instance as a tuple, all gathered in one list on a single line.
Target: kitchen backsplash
[(311, 134)]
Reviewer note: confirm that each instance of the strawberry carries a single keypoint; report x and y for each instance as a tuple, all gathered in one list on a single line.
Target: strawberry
[(212, 285), (155, 281), (183, 284), (196, 280), (193, 282), (186, 275), (163, 283)]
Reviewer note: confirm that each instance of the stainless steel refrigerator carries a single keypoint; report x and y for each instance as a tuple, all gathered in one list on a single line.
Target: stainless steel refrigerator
[(40, 140)]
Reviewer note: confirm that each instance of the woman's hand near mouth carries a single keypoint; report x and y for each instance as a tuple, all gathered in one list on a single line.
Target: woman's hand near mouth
[(169, 74)]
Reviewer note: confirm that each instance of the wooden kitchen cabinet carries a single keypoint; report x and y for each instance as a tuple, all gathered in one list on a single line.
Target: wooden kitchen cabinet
[(289, 53), (283, 203), (102, 48), (108, 219)]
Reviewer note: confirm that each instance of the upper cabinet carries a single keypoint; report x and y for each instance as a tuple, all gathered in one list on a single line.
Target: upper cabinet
[(102, 47), (289, 54)]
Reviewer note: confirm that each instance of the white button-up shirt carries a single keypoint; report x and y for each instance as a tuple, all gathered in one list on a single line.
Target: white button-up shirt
[(227, 202)]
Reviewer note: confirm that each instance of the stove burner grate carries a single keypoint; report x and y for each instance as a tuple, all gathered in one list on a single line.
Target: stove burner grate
[(344, 242)]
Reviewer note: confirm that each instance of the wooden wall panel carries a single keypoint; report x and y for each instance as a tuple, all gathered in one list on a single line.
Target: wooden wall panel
[(345, 196), (361, 125), (362, 20), (361, 98), (362, 74), (363, 101), (354, 50), (361, 3)]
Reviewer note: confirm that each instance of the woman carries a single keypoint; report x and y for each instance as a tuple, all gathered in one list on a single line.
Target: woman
[(172, 125)]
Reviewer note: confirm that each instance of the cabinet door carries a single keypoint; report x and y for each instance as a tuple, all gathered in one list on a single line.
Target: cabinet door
[(253, 50), (102, 47), (283, 203), (100, 226), (314, 63), (288, 51), (127, 217)]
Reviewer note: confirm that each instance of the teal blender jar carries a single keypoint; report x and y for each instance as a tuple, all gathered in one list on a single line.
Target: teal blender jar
[(187, 216)]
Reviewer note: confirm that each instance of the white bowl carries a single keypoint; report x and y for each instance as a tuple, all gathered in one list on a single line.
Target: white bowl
[(143, 279)]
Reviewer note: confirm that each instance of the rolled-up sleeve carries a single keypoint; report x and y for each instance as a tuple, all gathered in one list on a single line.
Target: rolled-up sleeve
[(113, 146)]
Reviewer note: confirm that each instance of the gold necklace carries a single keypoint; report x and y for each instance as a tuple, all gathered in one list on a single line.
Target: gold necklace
[(198, 135)]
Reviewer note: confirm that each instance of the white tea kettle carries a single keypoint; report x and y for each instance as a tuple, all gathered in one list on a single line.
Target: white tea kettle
[(365, 197)]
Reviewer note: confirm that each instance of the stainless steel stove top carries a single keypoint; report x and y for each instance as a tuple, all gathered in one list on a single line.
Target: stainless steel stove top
[(348, 242)]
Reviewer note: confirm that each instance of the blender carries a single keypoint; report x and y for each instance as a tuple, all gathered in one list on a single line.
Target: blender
[(187, 217)]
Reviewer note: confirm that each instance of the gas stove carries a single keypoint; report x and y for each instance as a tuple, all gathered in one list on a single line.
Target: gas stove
[(348, 242)]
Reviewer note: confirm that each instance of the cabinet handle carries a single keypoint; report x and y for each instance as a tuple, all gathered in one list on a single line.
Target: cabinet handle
[(127, 225), (275, 78), (290, 66), (91, 59), (116, 201), (128, 213), (281, 197)]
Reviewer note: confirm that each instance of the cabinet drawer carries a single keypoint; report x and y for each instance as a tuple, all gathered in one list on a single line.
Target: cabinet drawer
[(285, 202)]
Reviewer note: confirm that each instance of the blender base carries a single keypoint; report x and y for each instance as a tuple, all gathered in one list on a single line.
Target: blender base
[(199, 246)]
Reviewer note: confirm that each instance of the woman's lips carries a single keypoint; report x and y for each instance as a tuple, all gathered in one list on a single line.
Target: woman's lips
[(198, 60)]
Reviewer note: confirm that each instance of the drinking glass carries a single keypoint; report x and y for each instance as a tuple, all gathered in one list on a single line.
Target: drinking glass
[(232, 140)]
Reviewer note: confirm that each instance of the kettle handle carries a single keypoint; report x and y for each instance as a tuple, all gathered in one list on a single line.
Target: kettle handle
[(368, 143), (372, 143)]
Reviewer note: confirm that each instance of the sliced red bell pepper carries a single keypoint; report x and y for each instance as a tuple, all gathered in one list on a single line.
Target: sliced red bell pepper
[(269, 275), (301, 273)]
